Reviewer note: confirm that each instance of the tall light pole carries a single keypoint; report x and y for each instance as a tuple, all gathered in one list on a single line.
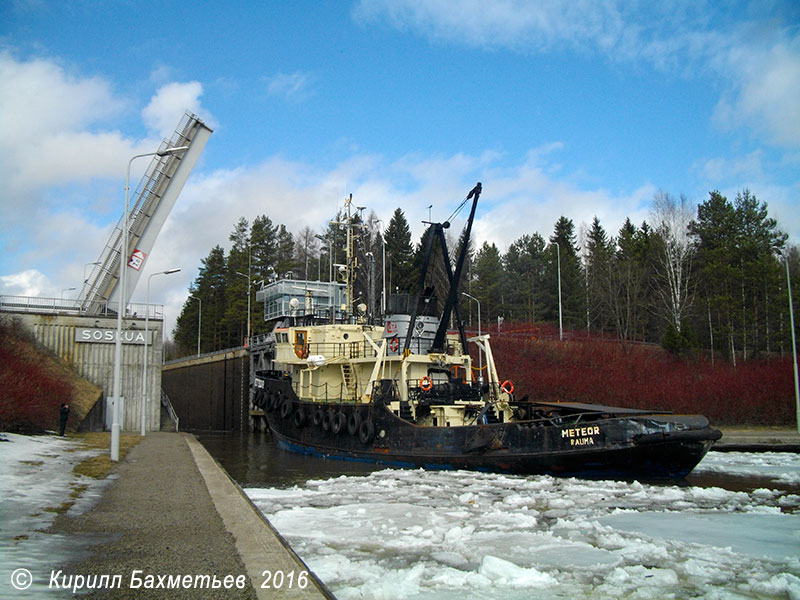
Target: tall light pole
[(330, 254), (123, 260), (146, 324), (199, 322), (558, 261), (383, 268), (66, 290), (480, 355), (794, 347), (247, 339), (85, 279)]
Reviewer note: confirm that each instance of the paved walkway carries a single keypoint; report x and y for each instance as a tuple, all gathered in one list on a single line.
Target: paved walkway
[(759, 439), (172, 511)]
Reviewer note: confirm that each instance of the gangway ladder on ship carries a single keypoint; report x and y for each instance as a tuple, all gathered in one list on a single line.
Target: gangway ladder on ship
[(348, 377), (151, 203)]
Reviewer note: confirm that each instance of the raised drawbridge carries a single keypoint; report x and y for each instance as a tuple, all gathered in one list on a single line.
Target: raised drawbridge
[(151, 204)]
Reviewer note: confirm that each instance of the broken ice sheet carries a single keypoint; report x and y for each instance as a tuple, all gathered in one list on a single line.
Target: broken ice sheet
[(428, 534)]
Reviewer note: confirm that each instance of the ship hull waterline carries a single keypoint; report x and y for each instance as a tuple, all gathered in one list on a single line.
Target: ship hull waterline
[(616, 448)]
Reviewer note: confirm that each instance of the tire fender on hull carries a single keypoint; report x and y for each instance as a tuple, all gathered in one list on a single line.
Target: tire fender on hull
[(338, 423), (299, 417), (366, 432), (274, 400), (286, 408), (327, 418), (354, 423)]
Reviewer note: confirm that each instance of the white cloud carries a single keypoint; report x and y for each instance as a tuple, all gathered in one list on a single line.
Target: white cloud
[(54, 146), (39, 97), (168, 104), (516, 201), (719, 169), (620, 30), (60, 162), (765, 92), (522, 199), (753, 58), (26, 283), (44, 117), (294, 86)]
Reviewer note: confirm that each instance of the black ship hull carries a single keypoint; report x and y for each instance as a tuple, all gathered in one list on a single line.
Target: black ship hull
[(574, 440)]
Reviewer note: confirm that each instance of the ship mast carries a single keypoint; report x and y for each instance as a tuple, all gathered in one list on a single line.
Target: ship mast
[(351, 260)]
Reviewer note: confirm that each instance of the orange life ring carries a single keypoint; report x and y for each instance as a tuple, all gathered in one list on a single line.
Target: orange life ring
[(425, 384), (508, 386), (394, 344)]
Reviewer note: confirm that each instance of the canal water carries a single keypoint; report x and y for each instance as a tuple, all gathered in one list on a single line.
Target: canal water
[(730, 530)]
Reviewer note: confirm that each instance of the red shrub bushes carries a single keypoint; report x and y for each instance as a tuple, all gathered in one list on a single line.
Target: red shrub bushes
[(29, 394), (604, 370)]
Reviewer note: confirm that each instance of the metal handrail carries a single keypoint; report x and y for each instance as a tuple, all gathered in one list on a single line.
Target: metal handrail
[(73, 306), (168, 405)]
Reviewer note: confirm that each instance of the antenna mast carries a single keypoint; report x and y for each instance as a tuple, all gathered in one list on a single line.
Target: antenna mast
[(351, 260)]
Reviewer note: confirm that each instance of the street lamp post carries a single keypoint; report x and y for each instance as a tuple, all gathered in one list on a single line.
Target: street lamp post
[(146, 324), (480, 355), (383, 268), (794, 347), (66, 290), (330, 255), (247, 340), (86, 279), (123, 259), (199, 322), (558, 261)]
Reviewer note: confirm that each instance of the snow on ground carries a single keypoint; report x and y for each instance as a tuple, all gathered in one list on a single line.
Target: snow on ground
[(430, 534), (36, 479)]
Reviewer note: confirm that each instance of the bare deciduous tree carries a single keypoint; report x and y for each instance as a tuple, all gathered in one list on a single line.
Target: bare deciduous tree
[(671, 218)]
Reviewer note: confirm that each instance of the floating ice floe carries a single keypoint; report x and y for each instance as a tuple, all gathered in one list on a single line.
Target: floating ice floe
[(457, 534), (783, 467)]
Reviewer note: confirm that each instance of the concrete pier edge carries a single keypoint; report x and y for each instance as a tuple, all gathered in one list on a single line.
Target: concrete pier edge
[(254, 535), (758, 439)]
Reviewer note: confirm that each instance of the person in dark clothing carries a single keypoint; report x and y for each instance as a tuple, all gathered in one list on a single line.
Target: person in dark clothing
[(63, 414)]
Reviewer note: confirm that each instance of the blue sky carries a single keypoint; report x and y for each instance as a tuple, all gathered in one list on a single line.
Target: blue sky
[(580, 108)]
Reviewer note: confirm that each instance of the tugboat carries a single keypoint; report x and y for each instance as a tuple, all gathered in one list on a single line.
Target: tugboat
[(403, 394)]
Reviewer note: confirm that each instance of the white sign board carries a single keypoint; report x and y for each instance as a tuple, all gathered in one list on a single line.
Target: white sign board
[(109, 336)]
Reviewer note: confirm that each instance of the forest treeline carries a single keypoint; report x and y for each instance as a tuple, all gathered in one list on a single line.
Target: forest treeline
[(709, 278)]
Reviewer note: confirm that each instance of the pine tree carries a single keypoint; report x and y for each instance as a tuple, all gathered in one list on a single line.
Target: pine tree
[(238, 274), (284, 255), (209, 287), (737, 246), (524, 266), (488, 287), (628, 285), (572, 284), (399, 254), (599, 252), (264, 248)]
